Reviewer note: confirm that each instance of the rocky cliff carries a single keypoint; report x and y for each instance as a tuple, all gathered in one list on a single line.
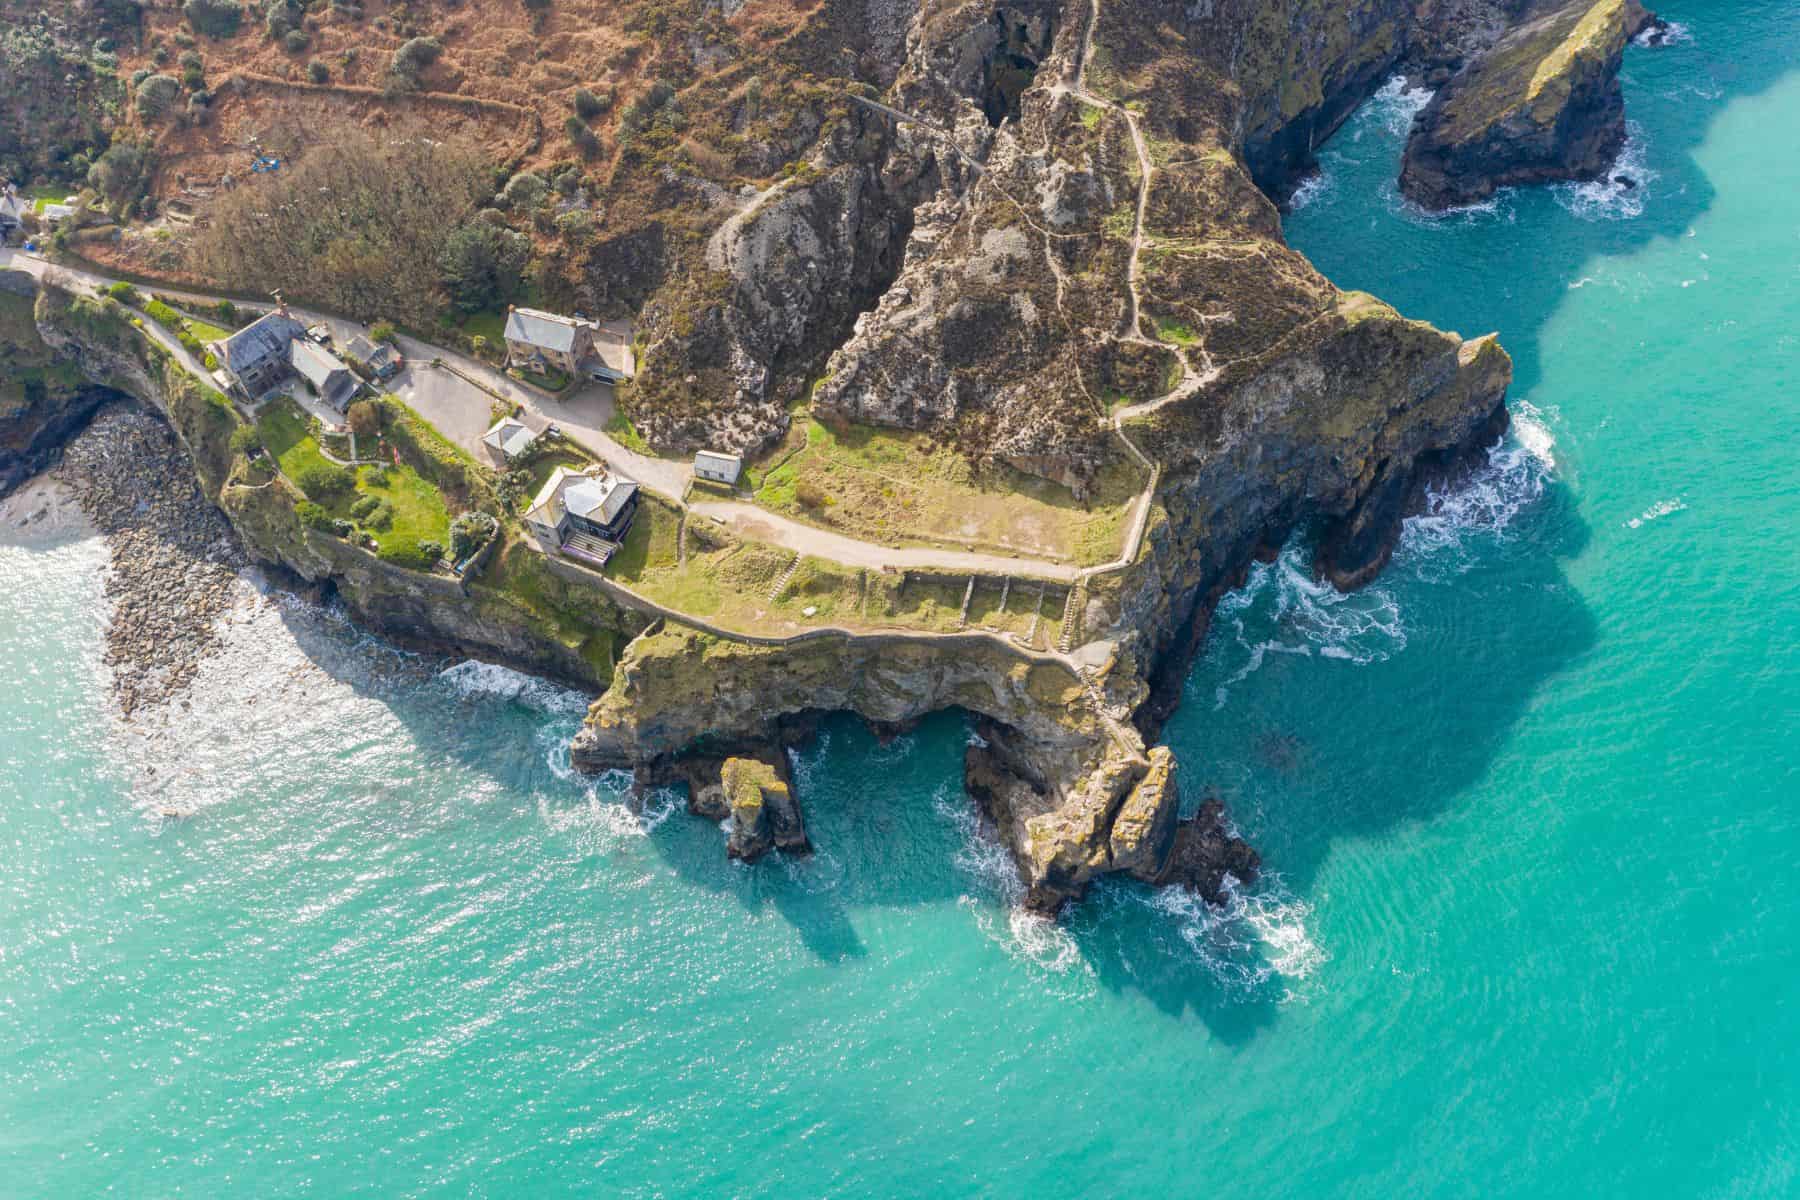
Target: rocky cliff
[(43, 402), (426, 610), (1542, 104)]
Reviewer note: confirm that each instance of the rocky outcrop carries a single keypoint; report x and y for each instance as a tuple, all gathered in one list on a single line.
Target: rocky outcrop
[(1542, 104), (43, 403), (761, 808), (426, 611)]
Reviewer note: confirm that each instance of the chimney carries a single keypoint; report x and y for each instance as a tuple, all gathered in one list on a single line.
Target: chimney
[(280, 303)]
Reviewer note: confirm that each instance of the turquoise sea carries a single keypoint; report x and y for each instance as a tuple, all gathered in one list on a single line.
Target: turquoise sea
[(1530, 804)]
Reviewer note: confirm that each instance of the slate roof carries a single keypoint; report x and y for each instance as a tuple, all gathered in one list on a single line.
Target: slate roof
[(260, 341), (321, 368), (510, 437), (547, 331), (598, 499)]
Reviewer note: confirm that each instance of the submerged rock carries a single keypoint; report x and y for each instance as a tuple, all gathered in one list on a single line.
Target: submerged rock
[(1542, 104)]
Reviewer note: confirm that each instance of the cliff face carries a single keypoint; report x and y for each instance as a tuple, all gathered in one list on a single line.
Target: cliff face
[(425, 610), (1542, 104), (43, 402)]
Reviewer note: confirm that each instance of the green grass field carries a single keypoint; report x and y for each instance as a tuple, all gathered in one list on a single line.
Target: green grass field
[(418, 508), (901, 488)]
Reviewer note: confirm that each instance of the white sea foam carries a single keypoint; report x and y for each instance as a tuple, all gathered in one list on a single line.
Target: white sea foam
[(1256, 939), (1606, 199), (606, 815), (1657, 511), (1395, 104), (1026, 936), (473, 679), (1282, 609), (1674, 33), (1313, 188), (1435, 544)]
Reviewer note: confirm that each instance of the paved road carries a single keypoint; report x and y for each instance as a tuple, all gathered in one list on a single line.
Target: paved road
[(461, 411)]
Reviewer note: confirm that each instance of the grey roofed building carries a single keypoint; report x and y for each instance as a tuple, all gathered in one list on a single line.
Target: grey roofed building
[(542, 330), (256, 356), (379, 357), (510, 437), (717, 466), (328, 374)]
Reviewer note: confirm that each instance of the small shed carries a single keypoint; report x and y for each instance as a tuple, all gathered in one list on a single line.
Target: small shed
[(718, 467), (509, 438)]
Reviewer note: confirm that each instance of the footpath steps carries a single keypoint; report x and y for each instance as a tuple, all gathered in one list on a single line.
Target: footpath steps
[(1071, 623), (787, 577)]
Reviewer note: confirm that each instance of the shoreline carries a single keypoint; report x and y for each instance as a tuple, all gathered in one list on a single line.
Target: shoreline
[(43, 513)]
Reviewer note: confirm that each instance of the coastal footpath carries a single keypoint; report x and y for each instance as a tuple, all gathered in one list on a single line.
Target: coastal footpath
[(1078, 258)]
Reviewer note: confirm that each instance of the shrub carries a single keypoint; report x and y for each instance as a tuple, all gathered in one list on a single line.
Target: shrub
[(313, 517), (363, 418), (416, 55), (575, 224), (376, 476), (193, 79), (381, 331), (244, 440), (525, 191), (324, 481), (406, 552), (123, 292), (122, 174), (155, 96), (282, 17), (810, 494), (481, 265), (468, 531), (227, 311), (379, 517), (318, 72), (211, 361), (163, 315), (342, 528), (214, 18), (585, 139), (364, 506), (295, 41), (433, 550), (588, 105)]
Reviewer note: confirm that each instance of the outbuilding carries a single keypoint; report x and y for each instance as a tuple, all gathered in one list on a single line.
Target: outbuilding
[(509, 438), (718, 467)]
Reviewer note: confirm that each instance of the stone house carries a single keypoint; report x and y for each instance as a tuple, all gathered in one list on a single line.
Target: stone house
[(265, 353), (543, 342)]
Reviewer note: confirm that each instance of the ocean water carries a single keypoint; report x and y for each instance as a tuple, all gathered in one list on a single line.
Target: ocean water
[(1530, 807)]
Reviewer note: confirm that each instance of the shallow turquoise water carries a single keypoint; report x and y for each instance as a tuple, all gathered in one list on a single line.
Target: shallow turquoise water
[(1529, 805)]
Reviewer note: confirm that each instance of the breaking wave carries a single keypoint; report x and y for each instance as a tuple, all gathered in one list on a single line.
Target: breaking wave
[(1606, 198), (471, 680), (1282, 609), (1031, 939), (1314, 187), (1395, 104), (1674, 33), (1433, 543), (1255, 940)]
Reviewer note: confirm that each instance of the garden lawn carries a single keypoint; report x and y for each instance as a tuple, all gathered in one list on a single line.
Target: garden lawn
[(419, 510), (284, 433)]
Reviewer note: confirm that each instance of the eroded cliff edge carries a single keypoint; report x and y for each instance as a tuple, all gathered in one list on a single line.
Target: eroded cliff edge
[(1542, 104), (1042, 240)]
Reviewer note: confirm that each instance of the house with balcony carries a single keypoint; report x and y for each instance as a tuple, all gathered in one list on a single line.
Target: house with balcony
[(584, 515)]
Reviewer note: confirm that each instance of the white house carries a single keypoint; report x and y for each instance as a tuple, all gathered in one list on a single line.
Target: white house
[(718, 467), (583, 514), (509, 438)]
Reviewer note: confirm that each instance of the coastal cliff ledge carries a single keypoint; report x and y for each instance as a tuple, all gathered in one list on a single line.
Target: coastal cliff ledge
[(1543, 104)]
